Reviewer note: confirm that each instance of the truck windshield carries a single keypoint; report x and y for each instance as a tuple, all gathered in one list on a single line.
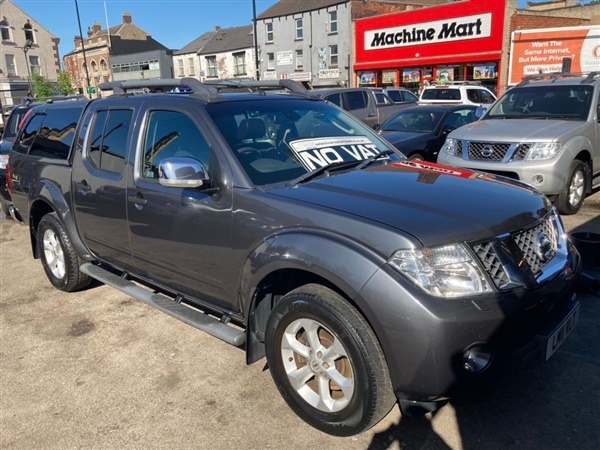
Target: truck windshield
[(544, 102), (280, 140)]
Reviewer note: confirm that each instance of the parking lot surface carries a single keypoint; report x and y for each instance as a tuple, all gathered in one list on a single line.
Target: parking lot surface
[(98, 370)]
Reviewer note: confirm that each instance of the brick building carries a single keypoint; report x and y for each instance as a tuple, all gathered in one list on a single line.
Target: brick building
[(138, 56)]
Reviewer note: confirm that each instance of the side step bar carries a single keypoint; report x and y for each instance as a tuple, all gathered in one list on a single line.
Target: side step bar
[(197, 319)]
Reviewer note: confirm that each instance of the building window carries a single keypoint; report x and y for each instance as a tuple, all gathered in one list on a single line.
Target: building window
[(180, 67), (5, 30), (34, 64), (333, 56), (299, 63), (270, 61), (240, 63), (10, 65), (28, 32), (299, 32), (270, 34), (192, 68), (94, 66), (103, 66), (211, 62), (333, 21)]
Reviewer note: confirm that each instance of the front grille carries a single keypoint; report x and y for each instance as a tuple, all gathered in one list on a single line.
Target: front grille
[(528, 243), (486, 151), (459, 149), (491, 263), (528, 250), (522, 150)]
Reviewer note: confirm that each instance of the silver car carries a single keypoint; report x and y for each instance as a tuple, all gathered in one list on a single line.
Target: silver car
[(545, 132)]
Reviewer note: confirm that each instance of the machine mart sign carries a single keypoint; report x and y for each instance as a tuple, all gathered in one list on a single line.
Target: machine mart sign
[(440, 31)]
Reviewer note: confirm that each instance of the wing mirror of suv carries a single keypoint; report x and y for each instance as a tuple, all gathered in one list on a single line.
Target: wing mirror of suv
[(182, 172)]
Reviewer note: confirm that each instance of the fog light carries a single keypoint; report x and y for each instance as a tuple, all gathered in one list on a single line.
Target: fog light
[(538, 179), (477, 358)]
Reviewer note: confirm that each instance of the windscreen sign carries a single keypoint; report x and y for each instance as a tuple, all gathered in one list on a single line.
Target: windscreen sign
[(542, 51), (315, 153)]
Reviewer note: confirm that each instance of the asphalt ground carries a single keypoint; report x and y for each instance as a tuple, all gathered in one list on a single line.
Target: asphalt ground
[(98, 370)]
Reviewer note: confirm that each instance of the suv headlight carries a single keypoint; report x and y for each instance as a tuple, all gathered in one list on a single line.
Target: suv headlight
[(448, 271), (3, 161), (543, 150), (449, 146)]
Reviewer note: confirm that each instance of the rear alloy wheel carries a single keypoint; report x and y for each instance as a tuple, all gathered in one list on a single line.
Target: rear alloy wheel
[(59, 258), (327, 363), (571, 199)]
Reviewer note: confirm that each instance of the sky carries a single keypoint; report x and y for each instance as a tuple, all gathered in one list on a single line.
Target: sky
[(173, 23)]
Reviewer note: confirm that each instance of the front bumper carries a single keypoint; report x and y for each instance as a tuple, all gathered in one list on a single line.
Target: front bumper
[(548, 176), (425, 338)]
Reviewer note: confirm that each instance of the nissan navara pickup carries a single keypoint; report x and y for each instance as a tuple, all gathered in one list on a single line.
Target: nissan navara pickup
[(545, 132), (282, 225)]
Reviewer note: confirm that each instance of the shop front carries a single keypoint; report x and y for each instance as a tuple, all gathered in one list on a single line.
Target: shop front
[(436, 45)]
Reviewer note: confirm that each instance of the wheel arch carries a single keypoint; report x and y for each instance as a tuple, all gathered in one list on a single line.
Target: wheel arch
[(293, 259), (47, 198), (585, 156)]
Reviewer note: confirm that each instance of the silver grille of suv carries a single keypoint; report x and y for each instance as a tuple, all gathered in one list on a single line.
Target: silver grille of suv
[(538, 251), (487, 151)]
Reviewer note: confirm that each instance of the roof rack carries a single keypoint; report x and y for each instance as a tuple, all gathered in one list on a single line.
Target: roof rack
[(553, 76), (209, 91)]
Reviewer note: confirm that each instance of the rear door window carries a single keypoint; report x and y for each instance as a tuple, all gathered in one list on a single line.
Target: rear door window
[(356, 100), (108, 139)]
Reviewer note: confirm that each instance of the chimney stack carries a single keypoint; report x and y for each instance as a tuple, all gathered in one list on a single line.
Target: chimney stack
[(217, 28), (96, 27), (126, 18)]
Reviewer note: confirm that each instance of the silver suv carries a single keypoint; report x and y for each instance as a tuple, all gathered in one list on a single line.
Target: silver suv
[(545, 131), (465, 93)]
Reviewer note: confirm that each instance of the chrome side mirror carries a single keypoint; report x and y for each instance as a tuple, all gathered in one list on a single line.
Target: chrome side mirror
[(182, 172)]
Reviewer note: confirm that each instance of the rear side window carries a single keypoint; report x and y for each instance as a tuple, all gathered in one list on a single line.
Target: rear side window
[(108, 139), (473, 96), (56, 134), (29, 134), (336, 99), (356, 100)]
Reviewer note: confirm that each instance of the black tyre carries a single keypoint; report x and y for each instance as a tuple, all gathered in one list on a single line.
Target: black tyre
[(59, 258), (571, 198), (327, 363)]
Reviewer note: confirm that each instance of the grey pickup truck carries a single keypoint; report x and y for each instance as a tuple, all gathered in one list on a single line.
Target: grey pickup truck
[(273, 220)]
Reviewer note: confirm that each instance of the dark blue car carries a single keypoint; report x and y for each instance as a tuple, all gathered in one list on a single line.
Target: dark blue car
[(420, 131)]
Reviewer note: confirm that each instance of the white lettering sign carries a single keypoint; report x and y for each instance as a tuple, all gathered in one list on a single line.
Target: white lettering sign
[(320, 152), (284, 58), (329, 73), (458, 29)]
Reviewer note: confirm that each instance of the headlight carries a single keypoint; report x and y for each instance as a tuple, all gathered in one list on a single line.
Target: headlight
[(3, 161), (448, 271), (543, 150), (449, 146)]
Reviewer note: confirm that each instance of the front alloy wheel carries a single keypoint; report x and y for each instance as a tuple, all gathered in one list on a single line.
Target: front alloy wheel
[(317, 365), (53, 253), (326, 361)]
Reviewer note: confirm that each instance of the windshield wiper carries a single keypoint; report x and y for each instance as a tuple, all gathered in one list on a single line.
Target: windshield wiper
[(373, 158), (324, 170)]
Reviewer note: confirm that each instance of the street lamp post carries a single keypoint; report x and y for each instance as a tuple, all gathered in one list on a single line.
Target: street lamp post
[(26, 48)]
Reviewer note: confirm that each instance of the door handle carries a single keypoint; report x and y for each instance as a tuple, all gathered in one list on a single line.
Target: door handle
[(137, 199), (83, 186)]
